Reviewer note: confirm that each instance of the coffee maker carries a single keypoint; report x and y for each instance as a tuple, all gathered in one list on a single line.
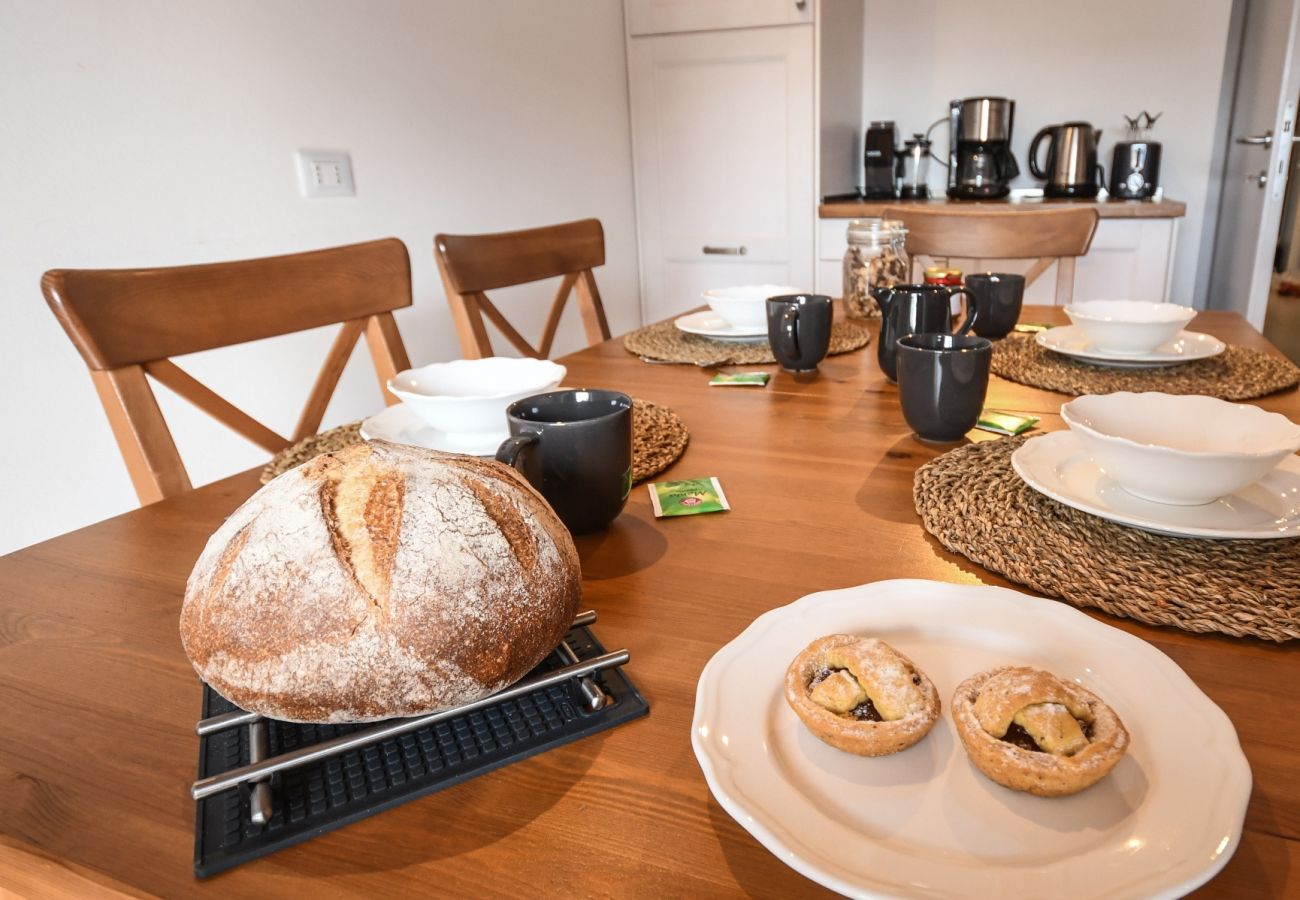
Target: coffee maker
[(980, 163), (878, 161)]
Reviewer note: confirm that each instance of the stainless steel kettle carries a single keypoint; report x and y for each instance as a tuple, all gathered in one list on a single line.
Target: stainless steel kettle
[(1072, 169)]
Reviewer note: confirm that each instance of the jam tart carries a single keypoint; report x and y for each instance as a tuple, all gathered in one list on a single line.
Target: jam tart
[(861, 695), (1029, 730)]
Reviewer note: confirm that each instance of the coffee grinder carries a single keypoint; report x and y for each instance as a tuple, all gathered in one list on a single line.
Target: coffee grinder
[(878, 161), (980, 162)]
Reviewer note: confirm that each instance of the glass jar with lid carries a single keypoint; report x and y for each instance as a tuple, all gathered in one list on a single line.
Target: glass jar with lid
[(875, 257)]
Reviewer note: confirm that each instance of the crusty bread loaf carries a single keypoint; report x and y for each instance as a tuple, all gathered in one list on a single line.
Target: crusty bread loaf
[(380, 581)]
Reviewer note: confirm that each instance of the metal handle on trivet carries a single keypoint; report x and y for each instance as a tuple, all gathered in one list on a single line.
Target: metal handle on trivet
[(221, 722), (259, 748), (206, 787)]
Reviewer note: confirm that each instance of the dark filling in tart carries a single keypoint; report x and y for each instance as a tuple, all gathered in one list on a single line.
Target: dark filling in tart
[(821, 675), (1017, 736), (866, 712)]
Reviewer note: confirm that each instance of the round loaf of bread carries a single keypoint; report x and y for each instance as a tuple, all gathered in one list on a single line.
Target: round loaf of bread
[(380, 581)]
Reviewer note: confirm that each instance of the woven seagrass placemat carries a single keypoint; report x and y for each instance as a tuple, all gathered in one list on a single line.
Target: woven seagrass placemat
[(659, 437), (976, 505), (666, 342), (1239, 373)]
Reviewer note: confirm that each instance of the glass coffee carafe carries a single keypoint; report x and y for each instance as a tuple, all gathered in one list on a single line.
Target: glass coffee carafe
[(914, 169)]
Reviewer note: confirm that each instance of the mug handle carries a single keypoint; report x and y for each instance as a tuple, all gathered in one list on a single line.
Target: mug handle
[(512, 446), (972, 309), (787, 333)]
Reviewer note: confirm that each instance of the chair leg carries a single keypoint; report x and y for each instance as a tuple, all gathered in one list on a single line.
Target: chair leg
[(1064, 280), (146, 444), (593, 311), (387, 351)]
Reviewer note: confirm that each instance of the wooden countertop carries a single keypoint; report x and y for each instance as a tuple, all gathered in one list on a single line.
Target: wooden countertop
[(98, 702), (1108, 209)]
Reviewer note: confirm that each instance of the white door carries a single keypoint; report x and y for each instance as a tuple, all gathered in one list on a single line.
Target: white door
[(664, 16), (1263, 119), (722, 139)]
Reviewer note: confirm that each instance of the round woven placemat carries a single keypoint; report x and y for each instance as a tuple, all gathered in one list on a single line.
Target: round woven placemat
[(666, 342), (659, 437), (975, 504), (1238, 373)]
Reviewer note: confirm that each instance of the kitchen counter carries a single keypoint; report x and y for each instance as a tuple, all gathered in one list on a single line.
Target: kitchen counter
[(1107, 209)]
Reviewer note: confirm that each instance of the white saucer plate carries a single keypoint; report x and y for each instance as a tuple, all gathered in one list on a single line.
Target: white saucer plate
[(401, 425), (1187, 346), (710, 324), (925, 822), (1057, 465)]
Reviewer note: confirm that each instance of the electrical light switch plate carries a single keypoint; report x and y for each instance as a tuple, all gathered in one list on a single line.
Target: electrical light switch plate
[(325, 173)]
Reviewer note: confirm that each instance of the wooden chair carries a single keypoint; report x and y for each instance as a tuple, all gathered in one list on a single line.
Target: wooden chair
[(1046, 235), (474, 263), (127, 322)]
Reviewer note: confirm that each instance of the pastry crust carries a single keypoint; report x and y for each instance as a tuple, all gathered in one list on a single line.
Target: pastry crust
[(903, 695), (986, 705)]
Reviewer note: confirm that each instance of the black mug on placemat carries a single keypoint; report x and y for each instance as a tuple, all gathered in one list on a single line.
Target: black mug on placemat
[(998, 296), (942, 380), (799, 330), (575, 448), (917, 309)]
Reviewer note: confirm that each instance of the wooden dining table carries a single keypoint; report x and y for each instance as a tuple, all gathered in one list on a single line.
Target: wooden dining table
[(98, 702)]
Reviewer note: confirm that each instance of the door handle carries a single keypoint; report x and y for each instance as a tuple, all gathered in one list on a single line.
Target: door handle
[(1260, 180), (725, 251), (1258, 140)]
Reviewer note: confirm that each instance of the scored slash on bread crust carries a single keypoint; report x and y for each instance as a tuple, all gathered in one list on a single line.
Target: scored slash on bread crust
[(919, 712), (380, 581), (980, 718)]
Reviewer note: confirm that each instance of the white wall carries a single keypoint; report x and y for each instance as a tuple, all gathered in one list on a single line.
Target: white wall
[(1061, 60), (138, 133)]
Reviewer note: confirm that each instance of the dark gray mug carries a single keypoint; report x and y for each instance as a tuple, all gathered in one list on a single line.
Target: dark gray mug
[(998, 296), (799, 330), (942, 380), (575, 448)]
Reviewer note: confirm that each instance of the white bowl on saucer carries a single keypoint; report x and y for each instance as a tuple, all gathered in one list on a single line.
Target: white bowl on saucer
[(470, 396), (745, 306), (1183, 450), (1129, 326)]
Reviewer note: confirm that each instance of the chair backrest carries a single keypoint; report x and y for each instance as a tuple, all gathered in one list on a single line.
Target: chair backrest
[(1046, 235), (472, 264), (127, 322)]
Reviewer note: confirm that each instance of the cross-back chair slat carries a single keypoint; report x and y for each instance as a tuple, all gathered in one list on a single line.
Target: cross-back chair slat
[(473, 264), (127, 323)]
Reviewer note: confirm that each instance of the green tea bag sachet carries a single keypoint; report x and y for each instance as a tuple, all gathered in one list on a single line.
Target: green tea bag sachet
[(757, 379), (1000, 421), (1033, 327), (688, 498)]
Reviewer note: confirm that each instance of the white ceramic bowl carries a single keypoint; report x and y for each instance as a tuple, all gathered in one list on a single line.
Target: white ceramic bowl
[(1130, 327), (470, 396), (745, 306), (1183, 450)]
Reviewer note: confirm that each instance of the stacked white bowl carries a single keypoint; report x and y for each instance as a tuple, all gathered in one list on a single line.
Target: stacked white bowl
[(1129, 327), (745, 306), (470, 396), (1184, 450)]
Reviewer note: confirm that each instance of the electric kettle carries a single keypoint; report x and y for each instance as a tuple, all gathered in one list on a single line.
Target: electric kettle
[(1072, 169)]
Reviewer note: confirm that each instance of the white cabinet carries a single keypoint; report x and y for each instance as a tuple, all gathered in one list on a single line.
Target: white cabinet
[(1130, 259), (723, 142)]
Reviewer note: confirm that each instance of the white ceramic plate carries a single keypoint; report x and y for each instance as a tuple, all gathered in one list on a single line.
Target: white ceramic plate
[(1187, 346), (1059, 466), (925, 822), (402, 425), (710, 324)]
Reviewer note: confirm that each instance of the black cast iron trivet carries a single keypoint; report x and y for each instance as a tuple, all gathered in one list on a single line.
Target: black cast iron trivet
[(319, 796)]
